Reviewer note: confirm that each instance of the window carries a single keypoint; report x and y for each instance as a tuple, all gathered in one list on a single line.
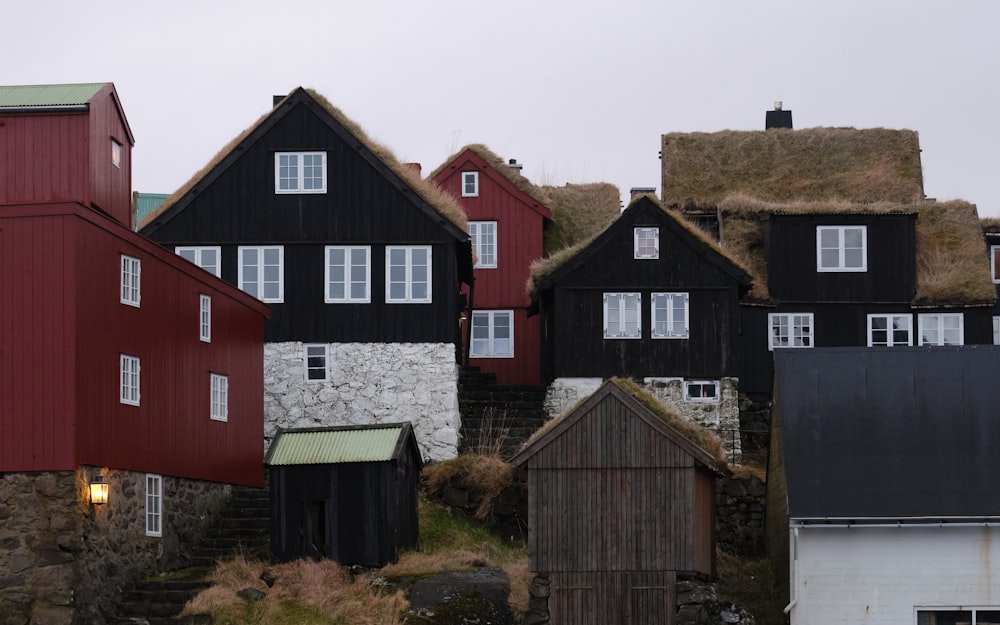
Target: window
[(131, 271), (484, 243), (701, 391), (408, 274), (941, 329), (995, 262), (262, 273), (348, 274), (154, 505), (315, 359), (647, 242), (116, 154), (669, 312), (205, 318), (622, 317), (996, 330), (300, 172), (841, 248), (220, 397), (129, 379), (492, 334), (205, 257), (890, 330), (959, 616), (790, 330), (470, 184)]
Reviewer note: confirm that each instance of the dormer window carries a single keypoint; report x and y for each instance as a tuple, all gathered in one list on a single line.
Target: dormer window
[(116, 154), (300, 172), (841, 248), (647, 243), (470, 184)]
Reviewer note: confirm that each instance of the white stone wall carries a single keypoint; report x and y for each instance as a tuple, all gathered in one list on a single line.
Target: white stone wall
[(368, 383)]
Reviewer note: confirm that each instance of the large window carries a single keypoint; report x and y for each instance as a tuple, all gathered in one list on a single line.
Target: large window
[(790, 330), (206, 257), (300, 172), (959, 616), (205, 318), (261, 272), (220, 397), (131, 274), (941, 329), (622, 316), (670, 315), (470, 184), (647, 243), (492, 334), (154, 505), (316, 356), (890, 330), (348, 274), (128, 379), (841, 248), (484, 243), (408, 274)]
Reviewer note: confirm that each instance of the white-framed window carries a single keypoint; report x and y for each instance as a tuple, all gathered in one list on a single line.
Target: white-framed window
[(890, 330), (348, 274), (484, 243), (116, 154), (300, 172), (492, 334), (128, 380), (941, 328), (647, 243), (470, 184), (995, 262), (220, 397), (622, 316), (790, 330), (841, 248), (131, 277), (316, 357), (205, 318), (669, 312), (261, 272), (154, 505), (701, 391), (958, 616), (408, 274), (206, 257), (996, 330)]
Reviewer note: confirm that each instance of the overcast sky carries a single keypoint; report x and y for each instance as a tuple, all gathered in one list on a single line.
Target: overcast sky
[(576, 90)]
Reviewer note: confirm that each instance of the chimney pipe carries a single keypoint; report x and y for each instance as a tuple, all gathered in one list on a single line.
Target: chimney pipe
[(778, 118), (512, 163), (636, 192)]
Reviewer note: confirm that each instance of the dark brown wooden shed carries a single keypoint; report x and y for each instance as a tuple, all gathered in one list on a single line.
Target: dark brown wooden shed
[(620, 502)]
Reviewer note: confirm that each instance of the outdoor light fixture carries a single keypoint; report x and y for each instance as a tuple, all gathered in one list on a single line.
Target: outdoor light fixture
[(98, 491)]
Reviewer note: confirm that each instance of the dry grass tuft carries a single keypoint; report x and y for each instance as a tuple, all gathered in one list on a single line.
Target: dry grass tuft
[(416, 564), (579, 212), (520, 582), (990, 224), (484, 477), (745, 472)]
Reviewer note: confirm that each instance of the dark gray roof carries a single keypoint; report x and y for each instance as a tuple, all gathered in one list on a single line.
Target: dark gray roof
[(874, 433)]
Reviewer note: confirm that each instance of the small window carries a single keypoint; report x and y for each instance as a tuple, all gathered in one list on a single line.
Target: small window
[(261, 273), (941, 329), (484, 243), (959, 616), (131, 273), (492, 334), (701, 391), (316, 357), (129, 379), (890, 330), (205, 318), (790, 330), (470, 184), (348, 274), (300, 172), (995, 262), (996, 330), (208, 258), (116, 154), (841, 248), (669, 312), (647, 243), (154, 505), (408, 274), (622, 316), (220, 397)]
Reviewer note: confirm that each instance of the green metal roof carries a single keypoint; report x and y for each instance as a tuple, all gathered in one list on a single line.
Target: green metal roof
[(335, 445), (29, 96), (146, 203)]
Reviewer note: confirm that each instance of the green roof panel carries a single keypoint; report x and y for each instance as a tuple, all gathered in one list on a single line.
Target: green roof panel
[(335, 445), (29, 96), (146, 203)]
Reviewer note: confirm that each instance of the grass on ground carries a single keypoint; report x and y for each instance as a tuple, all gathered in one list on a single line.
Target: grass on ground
[(750, 584)]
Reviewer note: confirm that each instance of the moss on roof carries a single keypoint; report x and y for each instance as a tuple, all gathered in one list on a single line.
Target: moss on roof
[(579, 212)]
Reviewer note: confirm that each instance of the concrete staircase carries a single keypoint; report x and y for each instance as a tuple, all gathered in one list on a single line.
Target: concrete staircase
[(497, 418)]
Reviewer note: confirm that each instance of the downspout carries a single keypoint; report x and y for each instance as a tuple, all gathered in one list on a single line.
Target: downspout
[(468, 326), (794, 537)]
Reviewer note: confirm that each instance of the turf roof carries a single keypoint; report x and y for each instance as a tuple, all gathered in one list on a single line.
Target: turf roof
[(500, 166), (579, 212)]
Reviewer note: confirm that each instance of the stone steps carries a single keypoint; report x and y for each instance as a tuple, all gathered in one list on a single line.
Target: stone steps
[(497, 418)]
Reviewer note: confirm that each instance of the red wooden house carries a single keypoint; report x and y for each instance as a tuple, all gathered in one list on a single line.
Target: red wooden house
[(506, 222)]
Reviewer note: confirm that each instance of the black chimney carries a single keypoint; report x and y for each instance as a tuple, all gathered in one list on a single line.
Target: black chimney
[(777, 118)]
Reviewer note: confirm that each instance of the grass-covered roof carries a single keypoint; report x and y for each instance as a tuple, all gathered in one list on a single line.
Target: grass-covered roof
[(512, 174), (579, 212)]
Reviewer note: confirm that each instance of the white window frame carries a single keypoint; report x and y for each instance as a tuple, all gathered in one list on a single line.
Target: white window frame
[(470, 184), (801, 330), (618, 302), (219, 397), (972, 610), (491, 340), (841, 266), (690, 385), (996, 330), (936, 322), (348, 282), (484, 243), (671, 321), (408, 297), (131, 282), (994, 265), (260, 266), (154, 505), (205, 318), (890, 329), (298, 176), (129, 379), (197, 256), (116, 154), (316, 350), (640, 236)]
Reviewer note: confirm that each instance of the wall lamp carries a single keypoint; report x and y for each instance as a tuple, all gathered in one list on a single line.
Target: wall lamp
[(98, 491)]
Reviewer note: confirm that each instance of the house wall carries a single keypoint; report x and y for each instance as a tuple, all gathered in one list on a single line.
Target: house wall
[(57, 149), (110, 186)]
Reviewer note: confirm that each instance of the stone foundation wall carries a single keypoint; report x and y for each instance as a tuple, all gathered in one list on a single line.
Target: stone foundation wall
[(367, 383), (739, 519)]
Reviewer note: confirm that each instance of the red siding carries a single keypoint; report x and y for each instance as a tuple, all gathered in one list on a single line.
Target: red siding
[(110, 186), (44, 158)]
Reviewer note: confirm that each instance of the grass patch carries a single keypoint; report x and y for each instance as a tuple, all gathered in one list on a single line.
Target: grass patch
[(750, 583), (485, 477)]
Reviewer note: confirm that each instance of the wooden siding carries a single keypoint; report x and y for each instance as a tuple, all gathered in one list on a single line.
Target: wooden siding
[(110, 186), (625, 598), (523, 368)]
